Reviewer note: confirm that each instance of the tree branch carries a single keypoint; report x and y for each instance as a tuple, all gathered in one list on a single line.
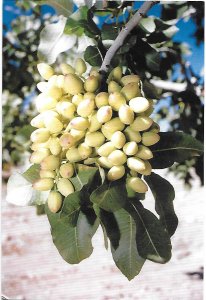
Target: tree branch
[(133, 22)]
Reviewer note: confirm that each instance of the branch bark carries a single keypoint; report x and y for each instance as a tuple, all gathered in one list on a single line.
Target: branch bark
[(133, 22)]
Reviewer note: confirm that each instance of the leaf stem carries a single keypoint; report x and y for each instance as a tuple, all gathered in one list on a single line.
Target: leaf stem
[(133, 22)]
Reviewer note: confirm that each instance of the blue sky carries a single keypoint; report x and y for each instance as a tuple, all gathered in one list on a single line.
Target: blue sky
[(186, 29)]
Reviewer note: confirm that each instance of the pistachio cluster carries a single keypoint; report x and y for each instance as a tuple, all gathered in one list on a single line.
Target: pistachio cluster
[(76, 123)]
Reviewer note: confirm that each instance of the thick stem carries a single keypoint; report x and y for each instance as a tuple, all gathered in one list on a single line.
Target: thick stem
[(133, 22)]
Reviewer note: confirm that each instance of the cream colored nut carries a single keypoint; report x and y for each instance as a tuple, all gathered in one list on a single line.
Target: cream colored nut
[(130, 148), (76, 99), (60, 81), (40, 135), (148, 169), (113, 86), (118, 139), (73, 155), (130, 78), (54, 146), (66, 109), (139, 104), (104, 114), (94, 139), (79, 123), (47, 174), (94, 123), (89, 95), (38, 121), (137, 184), (42, 86), (144, 152), (131, 90), (114, 124), (126, 114), (150, 138), (91, 84), (84, 150), (44, 103), (104, 162), (117, 157), (66, 170), (39, 155), (106, 149), (108, 134), (141, 123), (67, 140), (50, 163), (132, 135), (117, 73), (54, 92), (45, 70), (73, 84), (43, 184), (65, 187), (136, 164), (66, 69), (77, 134), (115, 173), (85, 108), (54, 201), (116, 100), (80, 66), (53, 125), (155, 128), (101, 99)]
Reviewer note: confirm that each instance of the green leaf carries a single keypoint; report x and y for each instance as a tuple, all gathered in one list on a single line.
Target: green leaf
[(73, 27), (62, 7), (83, 177), (164, 195), (148, 24), (110, 196), (126, 256), (53, 41), (152, 239), (109, 31), (93, 56), (71, 208), (153, 61), (32, 174), (20, 191), (174, 147), (73, 243), (150, 90)]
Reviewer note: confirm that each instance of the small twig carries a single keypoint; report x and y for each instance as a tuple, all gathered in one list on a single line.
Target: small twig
[(133, 22)]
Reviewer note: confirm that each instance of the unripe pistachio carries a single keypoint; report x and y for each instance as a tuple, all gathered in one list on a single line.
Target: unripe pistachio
[(131, 90), (150, 110), (148, 169), (155, 128), (47, 174), (53, 125), (137, 184), (76, 99), (38, 121), (54, 92), (66, 170), (115, 173), (113, 86), (73, 84), (37, 146), (139, 104), (54, 146), (66, 69), (65, 187), (136, 164), (117, 157), (40, 135), (84, 150), (144, 152), (150, 138), (104, 162), (45, 70), (126, 114), (60, 81), (44, 103), (73, 155), (77, 134), (95, 72), (130, 148), (66, 109), (94, 123), (130, 78), (116, 100), (106, 149), (42, 86), (118, 139), (101, 99), (43, 184), (104, 114), (91, 84), (141, 123), (132, 135), (117, 73), (39, 155), (94, 139), (85, 108), (50, 163), (108, 134), (89, 95), (80, 66), (54, 201), (67, 140), (114, 125), (79, 123)]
